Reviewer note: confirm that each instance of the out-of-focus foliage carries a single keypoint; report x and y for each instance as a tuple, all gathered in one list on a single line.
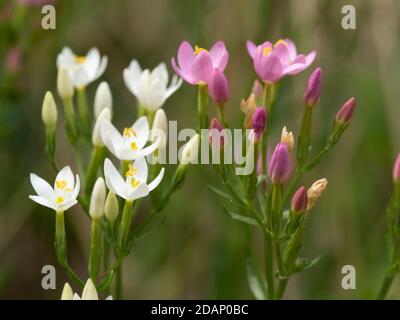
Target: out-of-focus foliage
[(198, 252)]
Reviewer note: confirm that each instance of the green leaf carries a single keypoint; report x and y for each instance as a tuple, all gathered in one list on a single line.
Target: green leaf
[(255, 280), (241, 218), (220, 192), (305, 263)]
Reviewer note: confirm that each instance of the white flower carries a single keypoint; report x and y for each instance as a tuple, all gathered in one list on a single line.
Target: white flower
[(160, 128), (150, 87), (62, 196), (103, 99), (129, 145), (135, 184), (105, 115), (98, 199), (49, 110), (89, 293), (190, 150), (67, 293), (82, 69)]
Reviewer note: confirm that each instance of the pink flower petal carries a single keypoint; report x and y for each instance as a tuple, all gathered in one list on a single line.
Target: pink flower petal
[(219, 56), (251, 48), (183, 74), (186, 56), (281, 50), (269, 67), (291, 48), (202, 67)]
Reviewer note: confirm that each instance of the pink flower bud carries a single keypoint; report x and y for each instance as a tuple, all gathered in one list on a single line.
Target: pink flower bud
[(258, 122), (279, 165), (299, 201), (217, 134), (218, 87), (313, 90), (346, 111), (396, 170)]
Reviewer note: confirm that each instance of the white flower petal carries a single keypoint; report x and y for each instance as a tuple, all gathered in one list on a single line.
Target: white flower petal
[(77, 187), (42, 187), (160, 72), (111, 137), (141, 191), (141, 165), (132, 76), (66, 59), (66, 205), (154, 184), (92, 63), (141, 127), (114, 181), (43, 202), (67, 175), (156, 96), (144, 87), (80, 77), (175, 85), (102, 67), (148, 150)]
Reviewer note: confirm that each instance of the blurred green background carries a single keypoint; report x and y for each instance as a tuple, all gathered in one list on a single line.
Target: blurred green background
[(198, 252)]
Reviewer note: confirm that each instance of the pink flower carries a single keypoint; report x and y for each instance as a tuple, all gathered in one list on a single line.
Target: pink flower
[(273, 62), (196, 65), (218, 87), (279, 166), (259, 120)]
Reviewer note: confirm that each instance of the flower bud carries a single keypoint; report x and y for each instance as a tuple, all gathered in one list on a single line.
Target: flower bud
[(218, 87), (396, 170), (279, 164), (89, 291), (299, 201), (248, 107), (67, 293), (287, 138), (49, 110), (111, 208), (97, 140), (96, 209), (190, 150), (257, 89), (313, 90), (160, 128), (315, 191), (346, 111), (65, 86), (258, 123), (102, 99), (217, 134)]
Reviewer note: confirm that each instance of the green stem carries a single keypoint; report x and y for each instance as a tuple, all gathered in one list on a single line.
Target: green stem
[(202, 103), (221, 113), (51, 147), (385, 287), (126, 221), (118, 283), (281, 288), (83, 111), (95, 249), (267, 106), (268, 257), (95, 161), (70, 121), (304, 141)]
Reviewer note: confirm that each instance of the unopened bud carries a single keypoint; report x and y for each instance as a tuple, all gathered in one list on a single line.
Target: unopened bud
[(346, 111), (97, 140), (299, 201), (111, 207), (89, 291), (49, 111), (160, 128), (96, 209), (67, 293), (315, 191), (218, 87), (248, 107), (103, 99), (190, 150), (258, 123), (65, 86), (279, 165), (287, 138), (313, 90), (217, 134), (257, 89)]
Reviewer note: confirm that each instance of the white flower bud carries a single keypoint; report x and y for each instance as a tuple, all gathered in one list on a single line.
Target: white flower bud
[(96, 209), (65, 86), (105, 115), (190, 150), (111, 208), (315, 191), (103, 99), (287, 138), (160, 128), (49, 110), (67, 293), (89, 291)]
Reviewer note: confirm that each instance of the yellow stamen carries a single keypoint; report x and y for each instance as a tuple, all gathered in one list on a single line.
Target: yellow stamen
[(59, 200), (61, 184), (131, 171), (134, 146), (280, 41), (134, 183), (266, 51), (80, 59), (129, 132), (198, 50)]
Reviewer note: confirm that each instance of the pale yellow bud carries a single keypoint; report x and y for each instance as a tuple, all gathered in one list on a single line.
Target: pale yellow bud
[(67, 293), (65, 86), (160, 128), (103, 99), (111, 208), (49, 110), (89, 291), (105, 115), (96, 209), (287, 138), (190, 150), (315, 191)]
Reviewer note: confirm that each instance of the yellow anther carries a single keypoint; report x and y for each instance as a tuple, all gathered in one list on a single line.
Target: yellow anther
[(131, 171), (266, 51), (280, 41), (80, 59), (134, 183), (59, 200), (198, 50), (61, 184), (134, 146), (129, 132)]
